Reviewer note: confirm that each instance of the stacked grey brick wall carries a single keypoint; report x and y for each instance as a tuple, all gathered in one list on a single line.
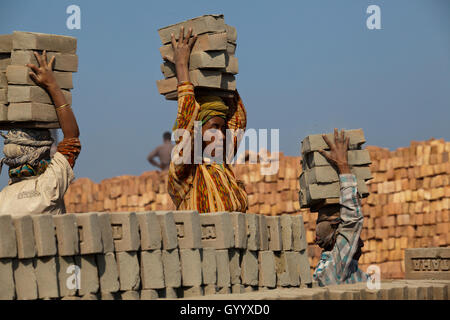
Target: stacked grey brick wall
[(5, 61), (319, 181), (22, 102), (212, 63), (149, 255)]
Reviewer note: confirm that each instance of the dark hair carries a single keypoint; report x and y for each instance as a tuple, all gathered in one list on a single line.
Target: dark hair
[(167, 135)]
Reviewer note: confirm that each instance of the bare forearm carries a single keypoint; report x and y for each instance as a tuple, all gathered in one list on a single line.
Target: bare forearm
[(65, 115), (182, 72)]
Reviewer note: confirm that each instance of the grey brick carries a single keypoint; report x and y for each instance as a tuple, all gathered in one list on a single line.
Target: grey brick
[(5, 43), (240, 229), (231, 48), (263, 232), (108, 272), (199, 78), (189, 292), (125, 229), (267, 271), (232, 66), (249, 268), (287, 268), (7, 290), (21, 93), (25, 279), (20, 75), (8, 242), (199, 25), (44, 235), (89, 282), (168, 229), (25, 236), (104, 219), (42, 41), (328, 174), (253, 232), (5, 61), (315, 142), (150, 230), (63, 61), (66, 273), (129, 273), (4, 96), (237, 288), (274, 233), (231, 33), (304, 268), (130, 295), (32, 111), (298, 233), (67, 234), (89, 233), (223, 290), (188, 229), (109, 296), (3, 80), (209, 266), (217, 230), (152, 271), (3, 112), (206, 60), (191, 267), (223, 269), (209, 289), (149, 294), (200, 60), (172, 268), (235, 267), (427, 263), (286, 232), (46, 276), (90, 296)]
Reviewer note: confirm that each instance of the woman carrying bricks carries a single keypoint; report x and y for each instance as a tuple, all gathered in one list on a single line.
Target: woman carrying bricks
[(38, 182), (206, 185)]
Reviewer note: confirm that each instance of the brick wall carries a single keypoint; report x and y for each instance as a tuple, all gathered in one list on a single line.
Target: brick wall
[(408, 206)]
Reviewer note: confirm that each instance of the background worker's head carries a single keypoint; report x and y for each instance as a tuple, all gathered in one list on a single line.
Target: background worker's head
[(167, 136), (27, 151), (213, 115)]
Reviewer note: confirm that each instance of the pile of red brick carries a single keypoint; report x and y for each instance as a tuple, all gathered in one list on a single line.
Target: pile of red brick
[(408, 205)]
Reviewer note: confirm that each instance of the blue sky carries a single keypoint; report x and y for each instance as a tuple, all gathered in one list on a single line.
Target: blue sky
[(305, 67)]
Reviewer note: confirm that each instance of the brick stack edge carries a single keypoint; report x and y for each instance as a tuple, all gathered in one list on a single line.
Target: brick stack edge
[(408, 206), (149, 255)]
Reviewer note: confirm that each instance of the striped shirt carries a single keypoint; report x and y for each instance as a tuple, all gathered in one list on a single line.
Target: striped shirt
[(338, 266)]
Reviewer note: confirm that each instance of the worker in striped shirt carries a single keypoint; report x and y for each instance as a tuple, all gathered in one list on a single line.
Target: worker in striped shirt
[(340, 238)]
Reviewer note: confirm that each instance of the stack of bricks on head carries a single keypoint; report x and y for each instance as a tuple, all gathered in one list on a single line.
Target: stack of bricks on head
[(149, 255), (22, 102), (319, 180), (212, 64)]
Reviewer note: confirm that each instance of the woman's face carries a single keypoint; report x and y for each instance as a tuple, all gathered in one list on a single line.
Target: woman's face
[(217, 126)]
